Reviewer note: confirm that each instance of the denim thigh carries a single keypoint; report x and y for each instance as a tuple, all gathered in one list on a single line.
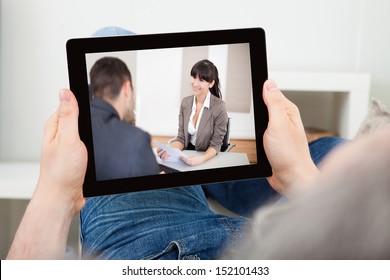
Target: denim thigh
[(244, 197), (171, 223), (175, 223)]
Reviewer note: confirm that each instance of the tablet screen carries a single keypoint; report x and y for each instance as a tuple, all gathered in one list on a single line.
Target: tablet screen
[(192, 111)]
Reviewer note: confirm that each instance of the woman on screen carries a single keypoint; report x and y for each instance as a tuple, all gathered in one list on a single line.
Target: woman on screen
[(203, 118)]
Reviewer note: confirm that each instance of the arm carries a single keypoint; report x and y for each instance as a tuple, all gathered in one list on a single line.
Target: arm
[(220, 127), (177, 144), (58, 197), (196, 160), (285, 144)]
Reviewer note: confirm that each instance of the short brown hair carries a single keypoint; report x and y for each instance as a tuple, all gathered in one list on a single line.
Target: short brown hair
[(108, 75)]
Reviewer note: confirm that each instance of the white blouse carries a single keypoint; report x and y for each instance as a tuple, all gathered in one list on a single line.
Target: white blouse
[(192, 129)]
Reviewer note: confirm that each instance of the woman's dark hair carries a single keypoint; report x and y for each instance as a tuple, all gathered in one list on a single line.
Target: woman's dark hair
[(107, 77), (207, 71)]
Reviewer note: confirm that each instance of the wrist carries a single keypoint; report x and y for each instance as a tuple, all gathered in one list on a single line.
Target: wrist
[(302, 179), (291, 182), (58, 200)]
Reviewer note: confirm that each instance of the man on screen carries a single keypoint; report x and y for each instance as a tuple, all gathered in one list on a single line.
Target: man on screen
[(121, 149)]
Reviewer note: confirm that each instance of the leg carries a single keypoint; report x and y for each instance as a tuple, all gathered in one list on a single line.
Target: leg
[(241, 197), (244, 197), (162, 224), (343, 215), (321, 147)]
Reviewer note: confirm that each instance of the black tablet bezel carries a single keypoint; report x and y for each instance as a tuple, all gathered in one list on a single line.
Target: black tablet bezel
[(76, 55)]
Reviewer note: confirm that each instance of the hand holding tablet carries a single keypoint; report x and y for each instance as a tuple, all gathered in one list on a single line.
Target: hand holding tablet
[(159, 66)]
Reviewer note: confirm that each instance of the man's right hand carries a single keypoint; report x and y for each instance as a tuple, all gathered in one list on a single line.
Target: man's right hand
[(285, 143)]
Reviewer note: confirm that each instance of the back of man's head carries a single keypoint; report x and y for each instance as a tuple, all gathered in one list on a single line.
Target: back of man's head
[(108, 75)]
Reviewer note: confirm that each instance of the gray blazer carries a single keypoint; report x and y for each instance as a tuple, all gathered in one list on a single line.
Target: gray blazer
[(212, 127)]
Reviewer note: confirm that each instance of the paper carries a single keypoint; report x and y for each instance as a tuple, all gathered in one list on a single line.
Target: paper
[(174, 154)]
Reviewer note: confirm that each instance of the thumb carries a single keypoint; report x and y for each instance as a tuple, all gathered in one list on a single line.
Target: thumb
[(68, 114), (271, 93), (274, 100), (280, 110)]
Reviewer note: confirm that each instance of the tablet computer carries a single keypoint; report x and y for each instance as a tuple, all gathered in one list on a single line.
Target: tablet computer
[(122, 153)]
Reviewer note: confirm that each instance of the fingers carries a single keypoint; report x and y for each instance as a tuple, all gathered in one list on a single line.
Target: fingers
[(68, 115), (274, 100), (162, 154), (65, 118), (270, 87)]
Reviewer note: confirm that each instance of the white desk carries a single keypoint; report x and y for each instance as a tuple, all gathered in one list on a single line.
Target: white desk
[(223, 159)]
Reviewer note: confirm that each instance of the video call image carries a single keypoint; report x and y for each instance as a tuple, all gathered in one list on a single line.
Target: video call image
[(189, 108)]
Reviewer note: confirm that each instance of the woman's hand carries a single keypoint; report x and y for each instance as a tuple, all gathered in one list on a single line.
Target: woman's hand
[(196, 160), (193, 160), (162, 154)]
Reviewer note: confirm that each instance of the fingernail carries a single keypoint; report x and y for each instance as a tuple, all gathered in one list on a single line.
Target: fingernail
[(271, 85), (65, 96)]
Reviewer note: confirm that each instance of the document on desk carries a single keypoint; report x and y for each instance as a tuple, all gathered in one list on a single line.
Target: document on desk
[(173, 153)]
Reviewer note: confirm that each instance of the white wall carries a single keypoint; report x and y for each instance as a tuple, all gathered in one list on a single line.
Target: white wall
[(322, 35)]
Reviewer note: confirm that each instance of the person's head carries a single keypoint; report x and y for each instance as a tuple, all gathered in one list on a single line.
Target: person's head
[(205, 77), (111, 81)]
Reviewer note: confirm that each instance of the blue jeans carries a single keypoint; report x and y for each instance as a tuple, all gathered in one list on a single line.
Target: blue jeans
[(176, 223), (244, 197)]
